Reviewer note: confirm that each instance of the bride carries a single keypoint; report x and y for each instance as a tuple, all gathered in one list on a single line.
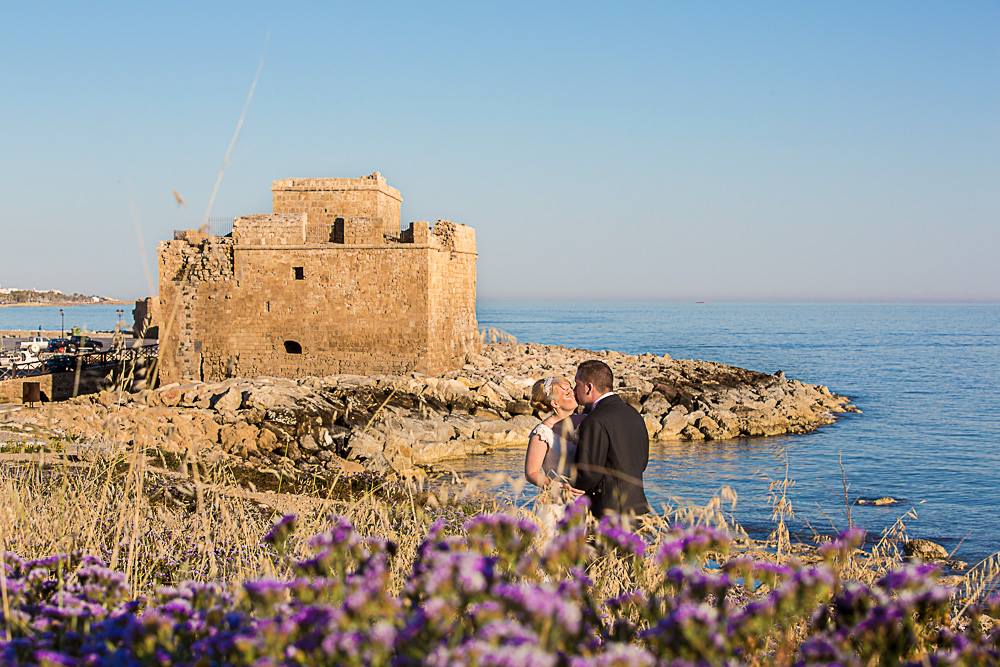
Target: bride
[(551, 449)]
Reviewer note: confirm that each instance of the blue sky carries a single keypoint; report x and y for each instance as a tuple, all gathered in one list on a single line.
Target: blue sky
[(716, 151)]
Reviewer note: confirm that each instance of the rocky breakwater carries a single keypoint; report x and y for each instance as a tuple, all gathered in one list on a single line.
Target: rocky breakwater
[(348, 423)]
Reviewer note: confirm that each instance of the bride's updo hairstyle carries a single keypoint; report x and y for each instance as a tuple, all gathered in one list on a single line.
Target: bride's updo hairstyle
[(542, 393)]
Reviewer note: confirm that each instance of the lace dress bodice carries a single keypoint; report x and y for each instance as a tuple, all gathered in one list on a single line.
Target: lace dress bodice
[(559, 457)]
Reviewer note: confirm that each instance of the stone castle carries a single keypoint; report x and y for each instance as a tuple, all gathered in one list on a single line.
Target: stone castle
[(327, 283)]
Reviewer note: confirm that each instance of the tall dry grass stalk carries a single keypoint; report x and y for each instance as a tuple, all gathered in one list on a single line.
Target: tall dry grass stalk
[(781, 510), (981, 579)]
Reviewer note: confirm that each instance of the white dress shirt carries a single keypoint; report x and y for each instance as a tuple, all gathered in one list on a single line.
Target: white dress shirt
[(599, 399)]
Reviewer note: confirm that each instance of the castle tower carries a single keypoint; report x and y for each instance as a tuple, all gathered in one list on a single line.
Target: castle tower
[(325, 200), (327, 283)]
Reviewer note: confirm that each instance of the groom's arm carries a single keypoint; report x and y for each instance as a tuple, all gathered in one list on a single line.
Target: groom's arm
[(591, 455)]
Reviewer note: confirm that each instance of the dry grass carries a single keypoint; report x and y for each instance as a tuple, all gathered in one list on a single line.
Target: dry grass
[(162, 520), (196, 521), (979, 581)]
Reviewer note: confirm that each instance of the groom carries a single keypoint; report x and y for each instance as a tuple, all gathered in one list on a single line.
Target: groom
[(613, 446)]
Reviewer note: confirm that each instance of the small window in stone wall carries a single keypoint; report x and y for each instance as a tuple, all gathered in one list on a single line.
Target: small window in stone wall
[(293, 347), (299, 272)]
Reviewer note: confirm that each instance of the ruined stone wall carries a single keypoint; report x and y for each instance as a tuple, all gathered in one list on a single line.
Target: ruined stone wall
[(326, 199), (452, 323), (146, 318), (196, 282)]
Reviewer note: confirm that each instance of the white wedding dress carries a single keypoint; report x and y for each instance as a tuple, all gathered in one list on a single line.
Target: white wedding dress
[(557, 466)]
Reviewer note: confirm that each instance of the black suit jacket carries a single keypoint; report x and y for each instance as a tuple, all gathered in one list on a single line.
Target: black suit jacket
[(611, 455)]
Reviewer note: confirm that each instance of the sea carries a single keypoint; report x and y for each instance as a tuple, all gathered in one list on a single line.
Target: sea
[(90, 318), (926, 377)]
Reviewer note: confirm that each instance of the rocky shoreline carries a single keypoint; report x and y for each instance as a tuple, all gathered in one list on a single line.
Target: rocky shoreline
[(401, 424)]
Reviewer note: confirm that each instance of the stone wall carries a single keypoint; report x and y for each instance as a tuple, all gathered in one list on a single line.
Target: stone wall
[(196, 276), (452, 324), (274, 229), (324, 200), (59, 386), (146, 318), (280, 298)]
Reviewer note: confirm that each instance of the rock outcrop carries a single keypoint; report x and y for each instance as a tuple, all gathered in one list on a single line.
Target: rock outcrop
[(341, 423)]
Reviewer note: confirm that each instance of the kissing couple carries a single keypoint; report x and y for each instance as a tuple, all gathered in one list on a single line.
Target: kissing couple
[(601, 452)]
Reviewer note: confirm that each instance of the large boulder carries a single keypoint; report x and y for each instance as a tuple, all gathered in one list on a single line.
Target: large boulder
[(230, 400), (925, 550), (673, 424), (656, 405)]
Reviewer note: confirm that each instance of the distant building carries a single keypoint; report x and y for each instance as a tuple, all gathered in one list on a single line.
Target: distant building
[(327, 283)]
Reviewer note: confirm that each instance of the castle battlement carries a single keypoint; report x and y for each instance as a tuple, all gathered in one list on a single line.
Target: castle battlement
[(374, 181), (327, 283), (326, 199)]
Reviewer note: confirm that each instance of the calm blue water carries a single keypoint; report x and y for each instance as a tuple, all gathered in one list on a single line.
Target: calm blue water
[(98, 317), (926, 376)]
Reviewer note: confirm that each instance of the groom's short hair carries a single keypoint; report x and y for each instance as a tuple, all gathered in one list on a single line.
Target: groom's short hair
[(596, 373)]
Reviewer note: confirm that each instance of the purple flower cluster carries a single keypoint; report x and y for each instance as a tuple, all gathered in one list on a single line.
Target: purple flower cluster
[(615, 535), (508, 538), (280, 532), (904, 616), (682, 545), (493, 596)]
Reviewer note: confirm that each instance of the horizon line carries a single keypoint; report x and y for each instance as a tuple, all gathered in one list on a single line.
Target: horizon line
[(604, 298), (744, 300)]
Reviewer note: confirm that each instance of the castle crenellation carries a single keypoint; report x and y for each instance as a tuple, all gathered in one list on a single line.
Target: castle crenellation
[(326, 283)]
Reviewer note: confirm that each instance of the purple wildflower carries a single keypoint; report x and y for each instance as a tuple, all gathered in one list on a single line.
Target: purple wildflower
[(265, 593), (509, 537), (567, 549), (279, 533), (575, 514), (340, 533), (534, 602), (819, 650), (55, 659), (483, 654), (510, 633), (617, 536), (692, 544), (616, 654), (908, 577), (626, 600)]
